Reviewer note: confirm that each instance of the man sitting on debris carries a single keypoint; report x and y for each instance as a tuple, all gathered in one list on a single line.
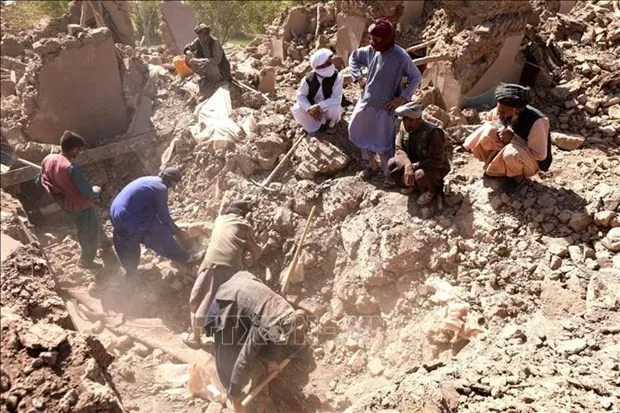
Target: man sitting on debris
[(140, 215), (250, 323), (231, 237), (319, 96), (372, 126), (63, 180), (419, 162), (206, 57), (515, 141)]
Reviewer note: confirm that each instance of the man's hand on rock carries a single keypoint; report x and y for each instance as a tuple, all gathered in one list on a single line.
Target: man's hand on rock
[(316, 112), (394, 103), (237, 406)]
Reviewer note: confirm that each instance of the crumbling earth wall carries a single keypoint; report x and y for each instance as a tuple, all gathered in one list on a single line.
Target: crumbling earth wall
[(78, 87)]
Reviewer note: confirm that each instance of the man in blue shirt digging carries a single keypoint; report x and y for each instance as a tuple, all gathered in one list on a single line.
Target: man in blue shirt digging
[(140, 215)]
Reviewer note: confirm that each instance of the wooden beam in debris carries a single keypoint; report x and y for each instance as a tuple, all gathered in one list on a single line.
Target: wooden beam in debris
[(430, 59), (21, 175), (422, 45)]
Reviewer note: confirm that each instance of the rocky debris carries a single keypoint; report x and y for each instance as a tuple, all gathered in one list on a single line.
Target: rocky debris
[(46, 353), (319, 157)]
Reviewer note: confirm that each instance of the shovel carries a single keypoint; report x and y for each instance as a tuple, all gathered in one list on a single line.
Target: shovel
[(266, 182), (293, 266)]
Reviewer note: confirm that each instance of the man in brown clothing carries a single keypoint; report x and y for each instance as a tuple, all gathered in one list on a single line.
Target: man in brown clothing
[(419, 161), (231, 237)]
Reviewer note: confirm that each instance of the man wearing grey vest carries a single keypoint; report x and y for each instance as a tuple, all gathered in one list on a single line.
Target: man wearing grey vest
[(419, 162)]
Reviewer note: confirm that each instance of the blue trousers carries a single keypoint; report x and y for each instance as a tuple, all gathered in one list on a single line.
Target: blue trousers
[(157, 237)]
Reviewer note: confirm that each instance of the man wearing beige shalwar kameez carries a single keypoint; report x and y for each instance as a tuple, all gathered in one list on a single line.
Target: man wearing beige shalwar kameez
[(515, 141)]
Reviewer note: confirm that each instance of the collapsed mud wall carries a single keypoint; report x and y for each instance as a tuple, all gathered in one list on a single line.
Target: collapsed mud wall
[(482, 41), (78, 87)]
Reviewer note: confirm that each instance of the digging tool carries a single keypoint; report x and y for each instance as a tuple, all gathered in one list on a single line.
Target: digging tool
[(34, 165), (266, 182), (268, 379), (293, 265), (249, 89)]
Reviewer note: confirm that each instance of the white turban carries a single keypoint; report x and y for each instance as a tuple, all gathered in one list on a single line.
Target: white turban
[(319, 57)]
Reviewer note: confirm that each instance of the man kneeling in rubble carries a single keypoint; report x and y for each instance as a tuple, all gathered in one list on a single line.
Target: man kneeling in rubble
[(319, 96), (140, 215), (250, 323), (515, 141), (206, 57), (419, 161)]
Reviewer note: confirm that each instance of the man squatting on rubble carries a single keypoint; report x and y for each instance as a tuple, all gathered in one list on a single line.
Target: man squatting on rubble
[(206, 57), (250, 323), (419, 162), (140, 215), (65, 183), (231, 238), (372, 126), (319, 95), (515, 140)]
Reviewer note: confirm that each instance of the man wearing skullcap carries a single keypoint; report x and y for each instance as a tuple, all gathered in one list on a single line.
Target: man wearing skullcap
[(231, 238), (515, 140), (206, 57), (66, 184), (420, 162), (140, 215), (372, 126), (319, 96)]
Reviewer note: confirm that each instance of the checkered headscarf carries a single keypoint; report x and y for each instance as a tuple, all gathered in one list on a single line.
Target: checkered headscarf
[(512, 95)]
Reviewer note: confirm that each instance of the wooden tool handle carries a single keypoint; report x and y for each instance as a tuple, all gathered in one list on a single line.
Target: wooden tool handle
[(265, 382), (298, 250), (277, 168)]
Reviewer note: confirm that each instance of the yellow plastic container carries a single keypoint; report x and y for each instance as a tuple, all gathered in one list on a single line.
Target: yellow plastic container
[(181, 67)]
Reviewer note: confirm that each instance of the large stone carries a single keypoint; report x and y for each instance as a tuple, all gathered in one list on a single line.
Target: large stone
[(267, 80), (270, 147), (319, 157), (612, 240), (564, 90), (603, 218), (614, 112), (567, 141), (579, 221), (43, 336)]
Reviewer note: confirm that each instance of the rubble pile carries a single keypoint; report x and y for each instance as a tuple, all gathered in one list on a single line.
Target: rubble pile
[(45, 365), (577, 55), (488, 301)]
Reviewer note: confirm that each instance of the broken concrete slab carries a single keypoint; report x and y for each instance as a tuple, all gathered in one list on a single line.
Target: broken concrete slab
[(180, 21), (116, 17), (80, 90), (277, 48)]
